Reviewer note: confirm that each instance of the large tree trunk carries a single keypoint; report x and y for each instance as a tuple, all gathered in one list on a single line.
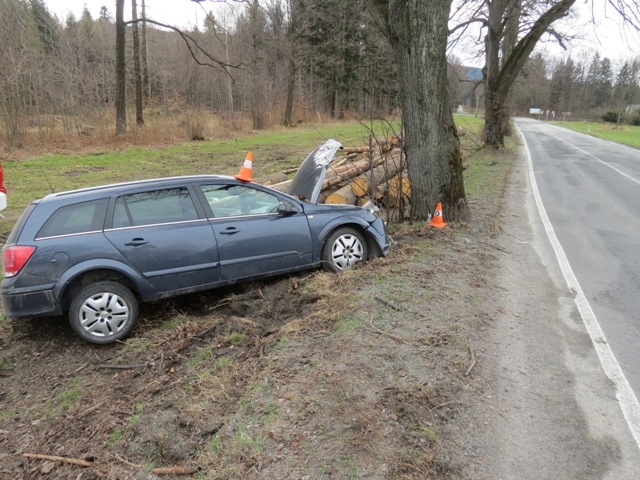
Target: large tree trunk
[(121, 112), (419, 34), (501, 73)]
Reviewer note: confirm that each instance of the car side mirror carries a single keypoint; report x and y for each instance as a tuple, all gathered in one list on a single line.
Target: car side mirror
[(286, 208)]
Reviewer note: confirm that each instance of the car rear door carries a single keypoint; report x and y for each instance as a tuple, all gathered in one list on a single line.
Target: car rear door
[(162, 235), (253, 238)]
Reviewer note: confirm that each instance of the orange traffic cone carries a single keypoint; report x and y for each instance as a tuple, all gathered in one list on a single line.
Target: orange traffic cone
[(245, 173), (437, 220)]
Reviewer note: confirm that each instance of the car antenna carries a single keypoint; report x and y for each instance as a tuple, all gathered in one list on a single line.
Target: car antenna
[(44, 172)]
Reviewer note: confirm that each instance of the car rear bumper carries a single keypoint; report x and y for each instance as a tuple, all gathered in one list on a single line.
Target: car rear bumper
[(30, 304)]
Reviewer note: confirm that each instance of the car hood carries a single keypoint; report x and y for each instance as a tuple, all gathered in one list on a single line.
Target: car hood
[(307, 183)]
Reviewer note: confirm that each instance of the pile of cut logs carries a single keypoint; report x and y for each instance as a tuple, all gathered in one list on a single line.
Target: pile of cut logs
[(361, 174)]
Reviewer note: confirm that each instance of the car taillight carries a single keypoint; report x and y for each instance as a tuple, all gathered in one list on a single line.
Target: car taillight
[(15, 257)]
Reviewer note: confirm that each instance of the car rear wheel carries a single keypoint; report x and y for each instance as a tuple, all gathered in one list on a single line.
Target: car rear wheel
[(103, 312), (343, 249)]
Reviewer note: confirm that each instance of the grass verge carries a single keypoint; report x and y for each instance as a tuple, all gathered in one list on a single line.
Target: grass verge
[(625, 134)]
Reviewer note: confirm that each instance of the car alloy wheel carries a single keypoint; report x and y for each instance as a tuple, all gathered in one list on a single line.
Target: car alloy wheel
[(343, 249), (103, 312)]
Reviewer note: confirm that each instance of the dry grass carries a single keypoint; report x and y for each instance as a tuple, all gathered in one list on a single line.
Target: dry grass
[(60, 134)]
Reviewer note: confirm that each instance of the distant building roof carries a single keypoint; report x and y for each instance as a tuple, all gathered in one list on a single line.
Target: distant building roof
[(472, 74)]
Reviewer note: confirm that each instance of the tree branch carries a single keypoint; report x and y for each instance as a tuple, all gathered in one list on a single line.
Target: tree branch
[(191, 44)]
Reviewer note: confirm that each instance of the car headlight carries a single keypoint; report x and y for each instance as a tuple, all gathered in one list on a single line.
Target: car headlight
[(371, 207)]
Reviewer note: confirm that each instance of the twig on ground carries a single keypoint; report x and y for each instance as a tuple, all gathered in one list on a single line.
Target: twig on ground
[(124, 367), (388, 303), (375, 329), (90, 410), (73, 461), (174, 470), (473, 360), (494, 246)]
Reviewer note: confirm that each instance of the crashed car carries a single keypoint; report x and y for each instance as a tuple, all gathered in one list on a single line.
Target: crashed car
[(96, 253)]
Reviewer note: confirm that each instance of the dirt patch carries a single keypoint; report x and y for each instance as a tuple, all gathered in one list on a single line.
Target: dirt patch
[(365, 374)]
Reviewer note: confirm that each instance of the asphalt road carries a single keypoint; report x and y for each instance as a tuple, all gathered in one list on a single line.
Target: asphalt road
[(590, 189), (561, 353)]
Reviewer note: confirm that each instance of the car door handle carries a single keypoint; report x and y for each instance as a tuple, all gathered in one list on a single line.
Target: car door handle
[(136, 242), (230, 231)]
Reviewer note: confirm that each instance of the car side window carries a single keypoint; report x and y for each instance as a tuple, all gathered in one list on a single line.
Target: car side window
[(76, 218), (150, 208), (236, 200)]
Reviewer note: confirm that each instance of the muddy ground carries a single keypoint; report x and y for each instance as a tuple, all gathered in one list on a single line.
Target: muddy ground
[(365, 374)]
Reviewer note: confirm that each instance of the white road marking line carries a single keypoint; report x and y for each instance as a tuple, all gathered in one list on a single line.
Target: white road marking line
[(624, 393), (601, 161)]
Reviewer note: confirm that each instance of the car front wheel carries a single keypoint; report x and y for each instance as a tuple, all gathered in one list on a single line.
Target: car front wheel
[(103, 312), (343, 249)]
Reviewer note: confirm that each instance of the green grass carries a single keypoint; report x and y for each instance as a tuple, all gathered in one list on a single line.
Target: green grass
[(625, 134), (486, 170), (245, 439), (236, 338), (274, 151), (116, 435), (68, 397)]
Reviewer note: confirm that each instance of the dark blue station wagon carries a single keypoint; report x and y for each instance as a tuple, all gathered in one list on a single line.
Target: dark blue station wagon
[(96, 253)]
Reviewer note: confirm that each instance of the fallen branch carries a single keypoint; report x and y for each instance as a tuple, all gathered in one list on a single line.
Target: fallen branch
[(90, 410), (72, 461), (159, 470), (124, 367), (494, 246), (375, 329), (388, 303), (174, 470)]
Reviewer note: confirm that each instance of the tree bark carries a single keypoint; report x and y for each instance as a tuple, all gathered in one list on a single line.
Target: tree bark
[(144, 54), (291, 85), (419, 35), (136, 63), (257, 113), (121, 112)]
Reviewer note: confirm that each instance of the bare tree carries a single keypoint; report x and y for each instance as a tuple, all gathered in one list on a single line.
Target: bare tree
[(136, 63), (143, 54), (501, 71), (512, 29), (121, 81)]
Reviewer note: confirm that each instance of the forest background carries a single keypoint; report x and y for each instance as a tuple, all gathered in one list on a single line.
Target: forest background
[(254, 66)]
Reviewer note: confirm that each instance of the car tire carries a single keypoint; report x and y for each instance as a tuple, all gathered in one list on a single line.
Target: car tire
[(103, 312), (343, 249)]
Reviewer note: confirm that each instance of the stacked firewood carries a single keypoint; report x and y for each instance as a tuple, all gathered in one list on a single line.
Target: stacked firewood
[(363, 174)]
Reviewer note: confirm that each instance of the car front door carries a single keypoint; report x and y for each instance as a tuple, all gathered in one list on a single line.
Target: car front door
[(253, 238), (162, 236)]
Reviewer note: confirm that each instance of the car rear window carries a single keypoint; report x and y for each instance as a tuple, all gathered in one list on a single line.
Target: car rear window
[(156, 207), (76, 218)]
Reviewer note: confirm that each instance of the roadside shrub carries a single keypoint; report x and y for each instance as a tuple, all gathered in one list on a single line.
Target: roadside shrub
[(610, 117), (636, 121)]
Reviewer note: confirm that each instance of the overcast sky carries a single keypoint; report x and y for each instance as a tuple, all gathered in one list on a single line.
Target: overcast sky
[(182, 13)]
